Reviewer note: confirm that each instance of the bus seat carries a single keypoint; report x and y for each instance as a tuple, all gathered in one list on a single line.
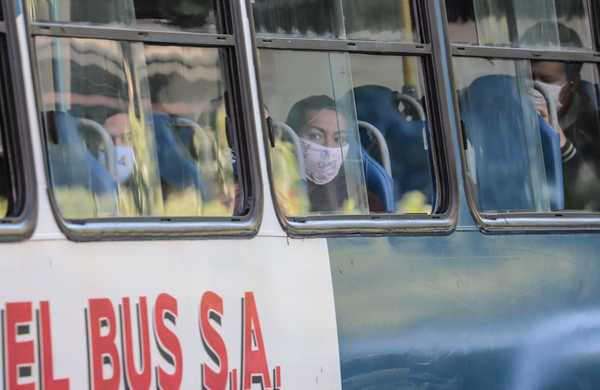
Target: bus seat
[(177, 170), (379, 183), (553, 164), (410, 162), (381, 143), (492, 113), (72, 164)]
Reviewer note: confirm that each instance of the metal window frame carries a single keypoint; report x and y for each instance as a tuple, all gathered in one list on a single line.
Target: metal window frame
[(442, 155), (21, 226), (236, 75), (522, 222)]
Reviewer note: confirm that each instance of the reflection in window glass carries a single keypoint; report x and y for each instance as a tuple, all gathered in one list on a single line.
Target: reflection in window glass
[(122, 142), (6, 197), (532, 134), (198, 15), (4, 177), (188, 97), (547, 24), (386, 20), (350, 137)]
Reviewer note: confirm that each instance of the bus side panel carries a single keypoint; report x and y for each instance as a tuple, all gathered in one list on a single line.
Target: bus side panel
[(199, 303), (468, 311)]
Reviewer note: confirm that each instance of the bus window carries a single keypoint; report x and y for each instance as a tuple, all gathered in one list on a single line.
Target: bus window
[(344, 19), (197, 16), (507, 22), (4, 171), (140, 129), (351, 131), (531, 127), (17, 179), (4, 176), (6, 184)]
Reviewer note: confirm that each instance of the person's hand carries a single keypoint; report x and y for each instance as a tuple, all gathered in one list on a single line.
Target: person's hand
[(563, 138), (543, 113)]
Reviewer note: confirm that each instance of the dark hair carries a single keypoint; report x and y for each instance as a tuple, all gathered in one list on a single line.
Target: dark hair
[(297, 115), (567, 37)]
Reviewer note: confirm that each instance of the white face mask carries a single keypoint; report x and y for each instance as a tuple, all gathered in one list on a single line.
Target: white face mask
[(322, 163), (125, 162), (553, 91)]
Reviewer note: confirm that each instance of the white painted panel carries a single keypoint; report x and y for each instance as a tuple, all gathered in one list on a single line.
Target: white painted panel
[(290, 281)]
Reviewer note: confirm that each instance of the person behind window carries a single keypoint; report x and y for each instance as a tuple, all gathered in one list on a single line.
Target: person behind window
[(577, 118), (322, 132), (118, 127)]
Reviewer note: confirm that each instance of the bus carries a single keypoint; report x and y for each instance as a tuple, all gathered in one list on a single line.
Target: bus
[(299, 194)]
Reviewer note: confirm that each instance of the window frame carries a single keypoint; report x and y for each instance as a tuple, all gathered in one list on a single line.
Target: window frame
[(16, 122), (235, 73), (521, 222), (429, 50)]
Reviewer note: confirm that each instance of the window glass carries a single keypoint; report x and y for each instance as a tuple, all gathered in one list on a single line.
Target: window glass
[(196, 15), (136, 130), (548, 24), (6, 184), (4, 177), (385, 20), (350, 133), (532, 134)]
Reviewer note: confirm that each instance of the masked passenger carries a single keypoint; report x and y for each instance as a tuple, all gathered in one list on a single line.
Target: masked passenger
[(118, 127), (578, 124), (323, 134)]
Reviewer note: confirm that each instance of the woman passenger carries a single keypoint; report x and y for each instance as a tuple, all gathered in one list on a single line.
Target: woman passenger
[(576, 101), (323, 134)]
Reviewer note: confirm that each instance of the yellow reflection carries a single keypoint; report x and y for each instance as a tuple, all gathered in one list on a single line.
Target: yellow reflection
[(289, 189), (186, 203), (410, 68), (79, 203), (413, 202), (3, 206), (215, 163), (146, 174)]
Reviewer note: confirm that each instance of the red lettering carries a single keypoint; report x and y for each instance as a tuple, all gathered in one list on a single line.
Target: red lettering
[(47, 364), (233, 383), (211, 308), (165, 310), (254, 363), (277, 378), (102, 330), (20, 353), (136, 380)]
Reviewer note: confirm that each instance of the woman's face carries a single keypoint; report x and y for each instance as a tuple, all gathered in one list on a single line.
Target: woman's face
[(325, 128), (550, 72)]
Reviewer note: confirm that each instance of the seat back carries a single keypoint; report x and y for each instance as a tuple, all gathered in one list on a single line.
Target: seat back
[(177, 169), (410, 163), (379, 183), (496, 118), (72, 164)]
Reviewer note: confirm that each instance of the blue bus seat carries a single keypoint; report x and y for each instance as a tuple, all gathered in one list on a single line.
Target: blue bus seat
[(492, 113), (71, 162), (411, 165), (379, 183), (177, 170)]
